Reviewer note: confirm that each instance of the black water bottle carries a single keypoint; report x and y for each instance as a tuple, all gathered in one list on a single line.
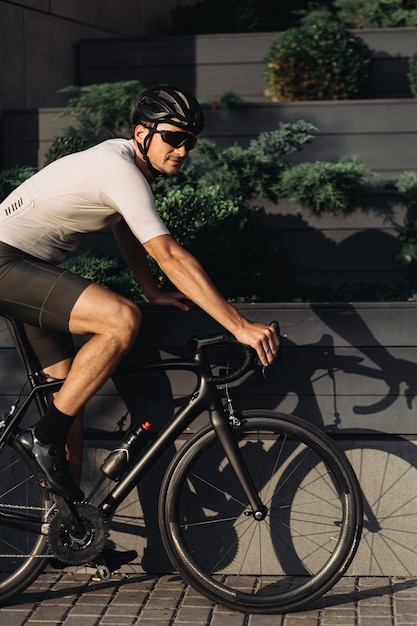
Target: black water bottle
[(132, 443)]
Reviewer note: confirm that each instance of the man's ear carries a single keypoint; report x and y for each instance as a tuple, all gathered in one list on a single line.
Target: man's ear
[(140, 133)]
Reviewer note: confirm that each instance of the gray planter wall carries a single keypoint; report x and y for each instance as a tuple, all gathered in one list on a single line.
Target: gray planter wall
[(350, 369)]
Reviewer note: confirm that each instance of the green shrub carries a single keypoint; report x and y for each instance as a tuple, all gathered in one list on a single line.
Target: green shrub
[(242, 172), (412, 74), (12, 178), (319, 60), (107, 271), (376, 13), (407, 236), (99, 112), (325, 185), (235, 16), (406, 184), (226, 236)]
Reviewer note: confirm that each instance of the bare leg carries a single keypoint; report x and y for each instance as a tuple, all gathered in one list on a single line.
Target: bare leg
[(113, 323)]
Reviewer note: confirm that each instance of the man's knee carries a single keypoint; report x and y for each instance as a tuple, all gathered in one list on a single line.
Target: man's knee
[(127, 322)]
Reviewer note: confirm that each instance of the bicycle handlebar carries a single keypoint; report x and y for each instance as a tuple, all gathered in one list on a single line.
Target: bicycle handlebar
[(250, 357)]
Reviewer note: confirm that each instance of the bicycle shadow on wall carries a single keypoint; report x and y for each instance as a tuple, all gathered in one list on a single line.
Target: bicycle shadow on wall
[(363, 395)]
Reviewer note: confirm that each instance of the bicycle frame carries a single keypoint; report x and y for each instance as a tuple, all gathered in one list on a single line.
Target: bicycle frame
[(205, 397)]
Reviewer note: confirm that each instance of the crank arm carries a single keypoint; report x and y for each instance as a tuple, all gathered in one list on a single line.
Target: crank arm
[(70, 515)]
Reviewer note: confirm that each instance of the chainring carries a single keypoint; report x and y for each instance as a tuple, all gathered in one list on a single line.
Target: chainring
[(78, 550)]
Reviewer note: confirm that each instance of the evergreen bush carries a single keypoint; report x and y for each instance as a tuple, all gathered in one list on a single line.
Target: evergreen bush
[(12, 177), (406, 184), (105, 270), (225, 234), (412, 74), (217, 16), (325, 185), (99, 112), (319, 60), (235, 16), (243, 172), (376, 13)]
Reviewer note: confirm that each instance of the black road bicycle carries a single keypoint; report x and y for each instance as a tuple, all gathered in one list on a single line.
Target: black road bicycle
[(259, 510)]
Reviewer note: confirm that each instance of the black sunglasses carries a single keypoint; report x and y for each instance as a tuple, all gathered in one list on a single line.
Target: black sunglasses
[(177, 139)]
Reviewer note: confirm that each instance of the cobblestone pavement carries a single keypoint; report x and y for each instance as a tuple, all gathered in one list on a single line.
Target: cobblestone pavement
[(68, 599)]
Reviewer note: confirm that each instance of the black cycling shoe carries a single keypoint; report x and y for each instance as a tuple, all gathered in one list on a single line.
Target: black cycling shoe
[(114, 559), (52, 462)]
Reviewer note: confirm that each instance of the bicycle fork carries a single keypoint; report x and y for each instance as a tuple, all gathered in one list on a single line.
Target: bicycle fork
[(228, 441)]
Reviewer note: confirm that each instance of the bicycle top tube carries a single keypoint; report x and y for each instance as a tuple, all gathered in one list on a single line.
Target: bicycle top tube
[(197, 344)]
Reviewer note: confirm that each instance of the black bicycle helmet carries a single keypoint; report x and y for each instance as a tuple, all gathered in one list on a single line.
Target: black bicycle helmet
[(165, 103)]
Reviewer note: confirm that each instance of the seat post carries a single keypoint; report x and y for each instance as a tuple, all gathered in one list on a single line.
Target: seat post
[(28, 357)]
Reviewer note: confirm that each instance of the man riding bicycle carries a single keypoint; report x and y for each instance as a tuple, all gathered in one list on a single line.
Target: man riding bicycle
[(44, 219)]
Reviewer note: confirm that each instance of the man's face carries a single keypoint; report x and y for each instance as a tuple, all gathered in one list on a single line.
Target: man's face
[(163, 156)]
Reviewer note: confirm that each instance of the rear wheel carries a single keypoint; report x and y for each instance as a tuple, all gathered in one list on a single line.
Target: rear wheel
[(308, 537), (23, 554)]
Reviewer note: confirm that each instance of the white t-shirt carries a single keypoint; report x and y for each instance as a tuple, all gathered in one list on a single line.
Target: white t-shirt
[(84, 192)]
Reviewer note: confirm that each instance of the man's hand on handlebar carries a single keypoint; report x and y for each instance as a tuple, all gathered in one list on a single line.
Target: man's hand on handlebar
[(262, 338)]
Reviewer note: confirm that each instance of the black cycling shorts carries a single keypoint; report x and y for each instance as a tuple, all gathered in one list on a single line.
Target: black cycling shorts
[(42, 296)]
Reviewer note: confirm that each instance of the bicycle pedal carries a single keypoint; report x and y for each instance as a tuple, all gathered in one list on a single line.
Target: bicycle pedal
[(103, 572)]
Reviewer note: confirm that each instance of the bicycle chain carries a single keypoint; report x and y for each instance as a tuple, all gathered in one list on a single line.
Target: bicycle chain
[(78, 550)]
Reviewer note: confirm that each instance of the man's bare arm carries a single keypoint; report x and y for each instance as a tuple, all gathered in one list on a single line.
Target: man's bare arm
[(135, 256), (187, 274)]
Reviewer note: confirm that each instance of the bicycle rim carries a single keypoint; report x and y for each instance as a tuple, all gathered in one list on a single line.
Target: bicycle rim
[(23, 555), (302, 547)]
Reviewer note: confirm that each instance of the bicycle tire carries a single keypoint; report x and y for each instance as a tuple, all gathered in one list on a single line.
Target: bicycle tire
[(23, 555), (303, 546)]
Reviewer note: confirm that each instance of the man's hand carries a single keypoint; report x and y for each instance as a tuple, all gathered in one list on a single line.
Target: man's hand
[(170, 298), (262, 338)]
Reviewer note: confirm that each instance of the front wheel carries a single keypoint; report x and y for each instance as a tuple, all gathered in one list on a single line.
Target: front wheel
[(308, 537)]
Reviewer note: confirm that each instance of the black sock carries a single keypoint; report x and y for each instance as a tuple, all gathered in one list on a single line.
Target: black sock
[(53, 426)]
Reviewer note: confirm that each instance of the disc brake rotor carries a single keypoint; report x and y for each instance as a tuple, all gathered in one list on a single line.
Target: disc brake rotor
[(77, 550)]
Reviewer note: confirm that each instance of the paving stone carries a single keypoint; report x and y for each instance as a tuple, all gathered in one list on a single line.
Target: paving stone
[(49, 614), (193, 615), (269, 620), (295, 620)]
